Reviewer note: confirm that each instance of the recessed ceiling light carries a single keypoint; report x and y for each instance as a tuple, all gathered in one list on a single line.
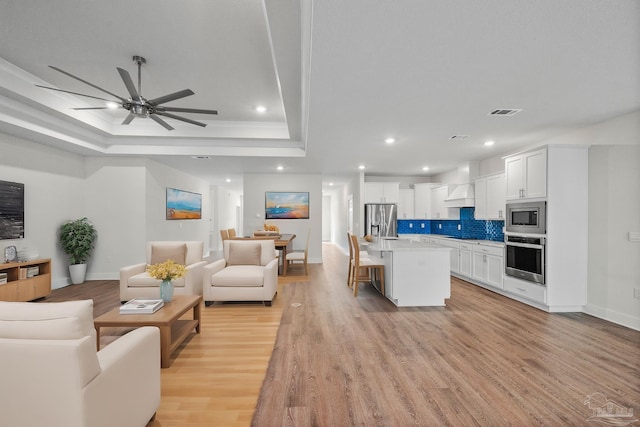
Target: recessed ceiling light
[(361, 167), (331, 184), (425, 168), (489, 143), (228, 179), (112, 105), (261, 109), (280, 168), (390, 140)]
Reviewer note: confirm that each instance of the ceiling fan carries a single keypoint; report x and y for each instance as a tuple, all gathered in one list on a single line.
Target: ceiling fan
[(136, 104)]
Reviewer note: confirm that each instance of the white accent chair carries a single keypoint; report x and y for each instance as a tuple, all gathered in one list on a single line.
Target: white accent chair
[(52, 374), (248, 272), (135, 282)]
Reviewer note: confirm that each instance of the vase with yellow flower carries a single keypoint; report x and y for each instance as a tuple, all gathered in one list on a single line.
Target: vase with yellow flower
[(166, 271)]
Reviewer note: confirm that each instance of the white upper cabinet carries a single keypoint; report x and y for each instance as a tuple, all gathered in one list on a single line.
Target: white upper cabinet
[(406, 204), (438, 209), (526, 175), (422, 200), (381, 192), (490, 197)]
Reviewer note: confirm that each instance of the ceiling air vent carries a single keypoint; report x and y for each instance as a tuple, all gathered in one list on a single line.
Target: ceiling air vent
[(504, 112), (457, 137)]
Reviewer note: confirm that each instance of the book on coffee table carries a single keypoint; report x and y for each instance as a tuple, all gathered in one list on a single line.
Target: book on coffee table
[(141, 306)]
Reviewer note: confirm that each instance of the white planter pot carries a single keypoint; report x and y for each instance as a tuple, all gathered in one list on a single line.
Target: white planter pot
[(78, 273)]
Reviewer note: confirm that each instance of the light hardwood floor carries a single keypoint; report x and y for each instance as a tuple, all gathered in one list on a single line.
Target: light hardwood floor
[(482, 360)]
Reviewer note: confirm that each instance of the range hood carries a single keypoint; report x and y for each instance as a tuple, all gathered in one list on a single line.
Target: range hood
[(463, 196)]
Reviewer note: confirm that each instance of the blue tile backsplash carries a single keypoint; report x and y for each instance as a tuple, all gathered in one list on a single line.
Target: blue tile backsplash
[(469, 227)]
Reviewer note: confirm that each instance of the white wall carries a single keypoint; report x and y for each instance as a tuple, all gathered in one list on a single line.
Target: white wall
[(255, 186), (54, 187), (115, 203), (123, 197), (226, 203), (354, 187), (614, 211)]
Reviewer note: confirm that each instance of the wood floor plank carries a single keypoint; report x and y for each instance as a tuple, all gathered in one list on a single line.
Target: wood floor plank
[(320, 357)]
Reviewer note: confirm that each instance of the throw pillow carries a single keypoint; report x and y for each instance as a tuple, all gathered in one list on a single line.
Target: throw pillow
[(165, 251), (244, 253)]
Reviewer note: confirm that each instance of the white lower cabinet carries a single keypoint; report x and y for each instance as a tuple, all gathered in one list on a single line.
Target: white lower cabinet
[(482, 263), (495, 270), (488, 265), (465, 259), (531, 291), (454, 253), (479, 271)]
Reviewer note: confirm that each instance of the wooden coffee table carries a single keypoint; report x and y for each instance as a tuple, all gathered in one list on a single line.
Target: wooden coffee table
[(173, 330)]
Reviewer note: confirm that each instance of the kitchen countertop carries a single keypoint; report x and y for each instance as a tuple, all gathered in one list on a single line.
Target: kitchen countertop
[(470, 241), (401, 245)]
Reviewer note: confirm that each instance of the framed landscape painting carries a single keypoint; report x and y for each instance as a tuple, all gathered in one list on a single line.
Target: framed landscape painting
[(286, 205), (183, 204)]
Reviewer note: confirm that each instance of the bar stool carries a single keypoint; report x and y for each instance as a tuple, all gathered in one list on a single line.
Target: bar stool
[(363, 254), (370, 263)]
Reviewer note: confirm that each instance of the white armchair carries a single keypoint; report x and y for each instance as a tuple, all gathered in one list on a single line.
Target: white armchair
[(248, 272), (135, 282), (52, 374)]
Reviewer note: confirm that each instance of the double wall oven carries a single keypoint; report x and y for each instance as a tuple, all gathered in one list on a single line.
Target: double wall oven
[(525, 240)]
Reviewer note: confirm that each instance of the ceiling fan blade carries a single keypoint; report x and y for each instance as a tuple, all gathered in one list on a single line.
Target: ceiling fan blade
[(171, 97), (76, 93), (184, 119), (87, 83), (93, 108), (128, 119), (126, 78), (160, 121), (186, 110)]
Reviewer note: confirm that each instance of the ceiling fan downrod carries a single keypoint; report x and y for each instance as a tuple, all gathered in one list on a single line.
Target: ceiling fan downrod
[(139, 60)]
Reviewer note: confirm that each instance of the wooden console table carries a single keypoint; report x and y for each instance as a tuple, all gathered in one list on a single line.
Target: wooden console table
[(26, 281)]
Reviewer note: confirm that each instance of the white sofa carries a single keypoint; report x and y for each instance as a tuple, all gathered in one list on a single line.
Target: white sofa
[(248, 272), (135, 282), (52, 374)]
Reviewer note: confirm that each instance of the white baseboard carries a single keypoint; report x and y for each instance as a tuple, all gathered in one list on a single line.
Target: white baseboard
[(613, 316), (103, 276)]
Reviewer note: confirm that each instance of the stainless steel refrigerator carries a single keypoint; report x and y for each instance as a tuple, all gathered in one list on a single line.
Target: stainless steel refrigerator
[(380, 219)]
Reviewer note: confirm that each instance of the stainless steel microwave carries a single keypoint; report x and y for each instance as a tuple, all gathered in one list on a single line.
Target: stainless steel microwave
[(526, 217)]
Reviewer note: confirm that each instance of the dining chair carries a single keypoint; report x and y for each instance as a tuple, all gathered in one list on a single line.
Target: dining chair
[(369, 263), (299, 256), (232, 232), (224, 235)]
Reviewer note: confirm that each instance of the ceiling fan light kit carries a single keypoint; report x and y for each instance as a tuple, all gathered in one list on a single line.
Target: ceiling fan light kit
[(136, 104)]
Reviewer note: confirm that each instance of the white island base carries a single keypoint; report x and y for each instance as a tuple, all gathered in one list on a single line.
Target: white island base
[(415, 274)]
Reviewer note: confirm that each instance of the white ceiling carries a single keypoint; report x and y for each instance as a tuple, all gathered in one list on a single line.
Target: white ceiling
[(337, 78)]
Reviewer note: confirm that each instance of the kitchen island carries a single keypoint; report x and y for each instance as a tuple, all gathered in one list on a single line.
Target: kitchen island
[(415, 273)]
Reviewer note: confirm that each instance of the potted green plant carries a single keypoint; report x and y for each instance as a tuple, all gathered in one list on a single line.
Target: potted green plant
[(78, 239)]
